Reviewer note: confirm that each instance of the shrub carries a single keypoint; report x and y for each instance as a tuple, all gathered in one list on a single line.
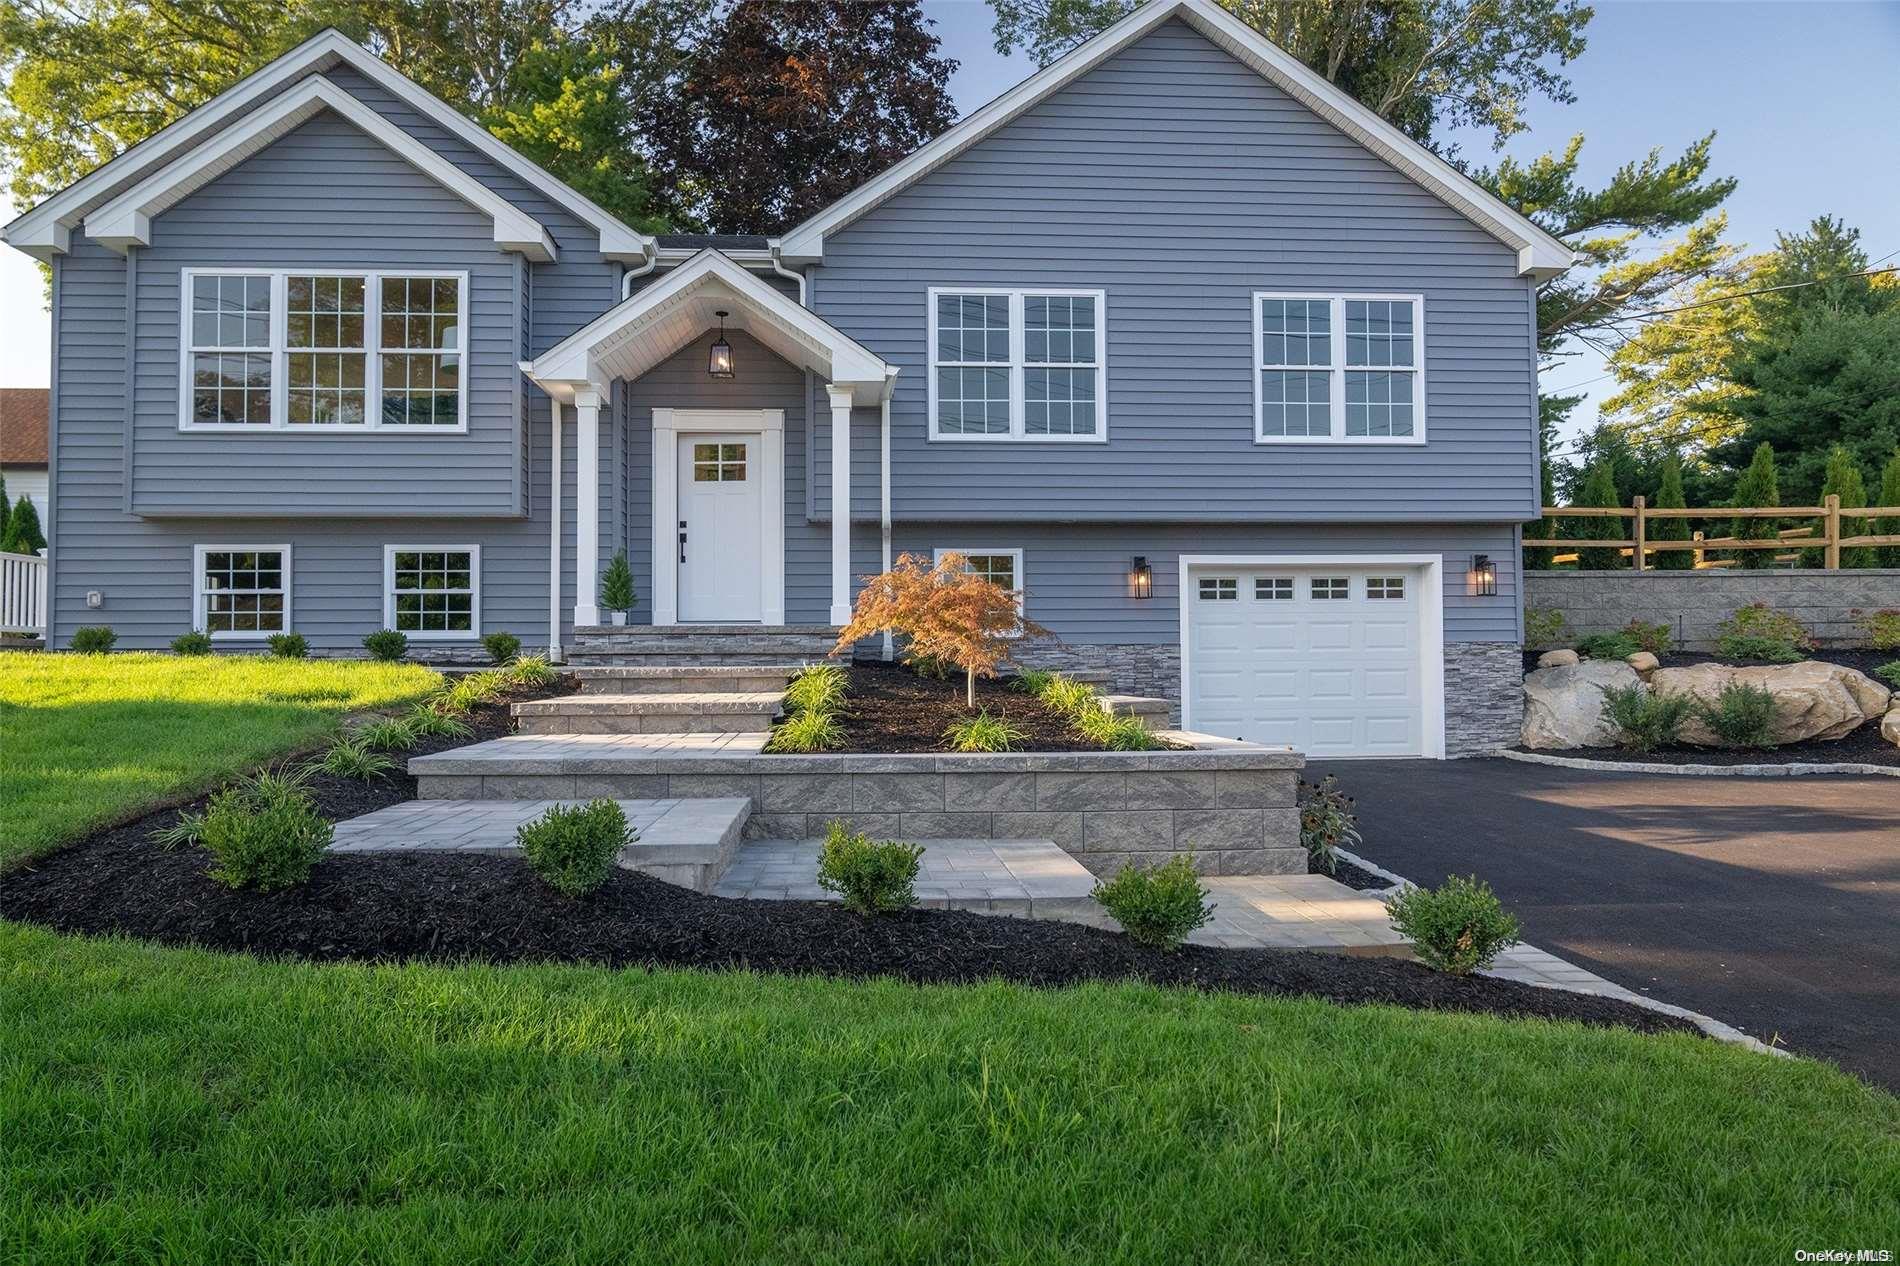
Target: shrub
[(1645, 720), (944, 611), (616, 585), (1544, 627), (873, 876), (1883, 630), (187, 831), (572, 848), (934, 667), (192, 643), (806, 732), (1157, 907), (1655, 638), (1458, 927), (289, 645), (355, 758), (1032, 681), (1741, 715), (532, 672), (94, 639), (501, 647), (1326, 821), (982, 733), (264, 840), (818, 688), (1889, 673), (393, 734), (387, 645), (426, 720), (1607, 646), (1115, 732), (1758, 631)]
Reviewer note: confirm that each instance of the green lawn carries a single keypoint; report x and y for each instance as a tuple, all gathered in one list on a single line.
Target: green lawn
[(175, 1105), (86, 739)]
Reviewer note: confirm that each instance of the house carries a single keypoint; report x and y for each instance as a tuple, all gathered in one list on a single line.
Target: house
[(1234, 382), (23, 445)]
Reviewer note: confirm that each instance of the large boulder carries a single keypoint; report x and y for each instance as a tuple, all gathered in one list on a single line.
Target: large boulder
[(1643, 662), (1890, 725), (1563, 706), (1558, 659), (1813, 699)]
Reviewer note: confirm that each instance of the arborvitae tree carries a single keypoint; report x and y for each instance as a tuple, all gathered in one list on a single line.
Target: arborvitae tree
[(1599, 489), (23, 535), (6, 507), (1842, 478), (1669, 497), (1889, 555), (1758, 486)]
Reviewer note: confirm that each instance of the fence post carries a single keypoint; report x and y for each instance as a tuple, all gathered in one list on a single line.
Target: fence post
[(1641, 533), (1833, 554), (1700, 557)]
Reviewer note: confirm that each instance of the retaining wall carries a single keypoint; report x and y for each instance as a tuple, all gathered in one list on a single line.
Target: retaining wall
[(1831, 604)]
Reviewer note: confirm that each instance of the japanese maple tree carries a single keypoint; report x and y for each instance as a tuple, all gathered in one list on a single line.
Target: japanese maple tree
[(943, 611)]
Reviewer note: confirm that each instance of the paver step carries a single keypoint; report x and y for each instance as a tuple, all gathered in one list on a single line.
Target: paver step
[(670, 679), (736, 712)]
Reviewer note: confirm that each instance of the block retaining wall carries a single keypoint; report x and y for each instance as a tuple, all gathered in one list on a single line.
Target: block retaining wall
[(1832, 604)]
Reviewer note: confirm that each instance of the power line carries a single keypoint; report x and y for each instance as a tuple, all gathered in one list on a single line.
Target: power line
[(1765, 290)]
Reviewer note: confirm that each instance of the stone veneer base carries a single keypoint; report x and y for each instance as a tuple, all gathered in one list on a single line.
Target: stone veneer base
[(1231, 805)]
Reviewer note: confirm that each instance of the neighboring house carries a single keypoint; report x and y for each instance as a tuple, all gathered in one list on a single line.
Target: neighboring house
[(23, 445), (1233, 381)]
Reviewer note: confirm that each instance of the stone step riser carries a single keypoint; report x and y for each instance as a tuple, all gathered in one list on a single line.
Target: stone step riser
[(651, 723), (675, 659), (592, 686)]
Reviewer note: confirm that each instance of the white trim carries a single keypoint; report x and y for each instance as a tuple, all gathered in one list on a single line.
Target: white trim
[(45, 230), (1539, 254), (840, 398), (1018, 348), (1338, 369), (474, 553), (198, 553), (127, 220), (1014, 551), (554, 531), (587, 507), (668, 426), (280, 353), (1431, 620)]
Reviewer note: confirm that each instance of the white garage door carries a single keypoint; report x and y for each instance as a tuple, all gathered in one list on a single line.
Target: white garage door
[(1324, 659)]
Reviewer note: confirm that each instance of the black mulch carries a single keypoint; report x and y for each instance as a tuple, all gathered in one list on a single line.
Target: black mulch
[(1863, 747), (1352, 876), (448, 908), (889, 708)]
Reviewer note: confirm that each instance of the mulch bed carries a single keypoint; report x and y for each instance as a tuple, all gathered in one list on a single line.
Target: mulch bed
[(448, 908), (889, 708), (1355, 877)]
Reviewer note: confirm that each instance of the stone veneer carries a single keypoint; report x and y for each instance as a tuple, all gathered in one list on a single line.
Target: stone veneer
[(1231, 805), (1484, 696), (1831, 604), (1131, 668)]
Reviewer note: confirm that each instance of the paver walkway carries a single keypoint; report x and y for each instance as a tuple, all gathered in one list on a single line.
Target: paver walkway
[(1024, 877), (488, 826)]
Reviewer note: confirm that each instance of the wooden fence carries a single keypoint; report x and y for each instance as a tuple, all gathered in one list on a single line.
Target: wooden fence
[(1828, 537), (23, 594)]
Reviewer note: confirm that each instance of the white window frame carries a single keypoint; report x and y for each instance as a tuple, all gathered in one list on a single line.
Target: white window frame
[(1015, 552), (474, 553), (280, 353), (1336, 410), (199, 616), (1018, 351)]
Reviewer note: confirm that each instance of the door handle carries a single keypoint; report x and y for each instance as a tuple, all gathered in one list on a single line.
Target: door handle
[(682, 540)]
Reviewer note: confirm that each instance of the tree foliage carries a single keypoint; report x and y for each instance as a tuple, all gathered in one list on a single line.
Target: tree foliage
[(1842, 479), (944, 611), (1599, 489), (1759, 486), (1669, 497), (786, 106), (23, 534)]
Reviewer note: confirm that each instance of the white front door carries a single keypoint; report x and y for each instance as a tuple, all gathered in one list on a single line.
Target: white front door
[(1325, 659), (721, 501)]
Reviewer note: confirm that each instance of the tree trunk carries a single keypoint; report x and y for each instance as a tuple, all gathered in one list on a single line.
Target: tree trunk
[(969, 687)]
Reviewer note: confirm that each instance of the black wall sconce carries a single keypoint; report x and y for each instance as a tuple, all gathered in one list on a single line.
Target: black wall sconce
[(1483, 577), (719, 364), (1141, 578)]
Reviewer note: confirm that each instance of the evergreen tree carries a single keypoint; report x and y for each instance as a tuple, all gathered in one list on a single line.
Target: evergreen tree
[(6, 507), (23, 534), (1669, 497), (1889, 555), (1843, 480), (1758, 486), (1599, 489)]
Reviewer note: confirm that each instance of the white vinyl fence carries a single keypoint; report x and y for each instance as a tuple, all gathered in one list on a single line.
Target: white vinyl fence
[(23, 594)]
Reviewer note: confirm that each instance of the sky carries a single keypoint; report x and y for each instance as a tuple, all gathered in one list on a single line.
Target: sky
[(1802, 95)]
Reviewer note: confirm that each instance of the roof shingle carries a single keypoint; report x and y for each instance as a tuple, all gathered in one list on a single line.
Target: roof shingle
[(23, 426)]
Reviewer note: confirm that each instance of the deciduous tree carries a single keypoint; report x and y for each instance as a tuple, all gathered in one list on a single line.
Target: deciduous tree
[(944, 611)]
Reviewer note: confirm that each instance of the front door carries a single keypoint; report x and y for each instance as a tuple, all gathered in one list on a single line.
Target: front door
[(721, 569)]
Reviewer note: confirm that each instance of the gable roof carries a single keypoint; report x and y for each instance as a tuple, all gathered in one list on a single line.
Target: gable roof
[(23, 426), (1538, 253), (655, 323), (46, 230), (127, 219)]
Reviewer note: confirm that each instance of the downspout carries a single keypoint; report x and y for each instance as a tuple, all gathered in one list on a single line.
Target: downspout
[(778, 266), (626, 278)]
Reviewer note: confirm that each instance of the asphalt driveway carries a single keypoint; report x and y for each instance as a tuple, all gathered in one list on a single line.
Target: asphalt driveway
[(1771, 903)]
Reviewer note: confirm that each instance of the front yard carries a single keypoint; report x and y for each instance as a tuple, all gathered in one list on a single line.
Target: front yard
[(89, 739)]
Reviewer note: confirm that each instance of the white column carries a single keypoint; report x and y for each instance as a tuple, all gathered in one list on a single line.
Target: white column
[(840, 503), (586, 506), (554, 531)]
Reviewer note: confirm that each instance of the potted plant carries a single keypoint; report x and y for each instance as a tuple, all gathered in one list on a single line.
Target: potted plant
[(616, 589)]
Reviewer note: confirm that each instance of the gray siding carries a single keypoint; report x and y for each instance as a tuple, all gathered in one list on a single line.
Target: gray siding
[(1180, 181)]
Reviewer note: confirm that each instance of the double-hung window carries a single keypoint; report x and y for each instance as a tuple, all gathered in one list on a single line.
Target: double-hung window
[(315, 350), (1017, 365), (241, 591), (999, 566), (433, 591), (1339, 368)]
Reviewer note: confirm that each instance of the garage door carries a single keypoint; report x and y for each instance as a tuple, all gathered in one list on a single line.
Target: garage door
[(1322, 659)]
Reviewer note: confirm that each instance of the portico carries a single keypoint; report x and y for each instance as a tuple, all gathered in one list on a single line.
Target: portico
[(717, 479)]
